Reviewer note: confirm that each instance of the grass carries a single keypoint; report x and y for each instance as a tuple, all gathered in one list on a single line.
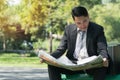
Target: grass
[(18, 60)]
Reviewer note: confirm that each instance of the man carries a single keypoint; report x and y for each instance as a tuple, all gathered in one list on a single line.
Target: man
[(81, 40)]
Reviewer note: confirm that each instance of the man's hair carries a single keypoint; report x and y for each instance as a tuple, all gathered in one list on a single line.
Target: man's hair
[(79, 11)]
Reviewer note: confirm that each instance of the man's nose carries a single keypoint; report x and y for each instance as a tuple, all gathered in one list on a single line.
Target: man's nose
[(82, 25)]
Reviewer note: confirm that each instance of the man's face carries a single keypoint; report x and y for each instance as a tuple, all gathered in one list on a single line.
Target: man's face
[(82, 22)]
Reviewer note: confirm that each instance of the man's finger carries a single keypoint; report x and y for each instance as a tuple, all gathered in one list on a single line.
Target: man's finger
[(41, 61), (105, 62)]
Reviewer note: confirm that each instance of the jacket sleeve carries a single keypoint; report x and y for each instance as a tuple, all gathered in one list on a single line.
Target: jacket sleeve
[(62, 47), (102, 44)]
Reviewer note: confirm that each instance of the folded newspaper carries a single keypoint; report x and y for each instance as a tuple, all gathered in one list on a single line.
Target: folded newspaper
[(64, 62)]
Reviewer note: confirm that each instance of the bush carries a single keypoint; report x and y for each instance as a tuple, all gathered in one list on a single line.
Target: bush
[(45, 44)]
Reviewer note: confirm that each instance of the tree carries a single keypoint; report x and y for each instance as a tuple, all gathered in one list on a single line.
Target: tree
[(3, 21), (34, 13), (90, 3), (58, 17), (108, 16)]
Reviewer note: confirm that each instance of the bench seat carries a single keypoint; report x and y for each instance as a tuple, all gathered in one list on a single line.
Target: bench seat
[(87, 77)]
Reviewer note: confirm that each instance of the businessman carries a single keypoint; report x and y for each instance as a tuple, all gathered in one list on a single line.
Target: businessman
[(81, 40)]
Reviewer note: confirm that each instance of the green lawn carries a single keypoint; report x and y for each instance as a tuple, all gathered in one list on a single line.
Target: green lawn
[(18, 60)]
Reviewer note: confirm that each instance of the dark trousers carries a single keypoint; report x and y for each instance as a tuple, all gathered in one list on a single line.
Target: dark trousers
[(55, 72)]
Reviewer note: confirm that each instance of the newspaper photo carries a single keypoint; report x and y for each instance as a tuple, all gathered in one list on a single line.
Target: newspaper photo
[(64, 62)]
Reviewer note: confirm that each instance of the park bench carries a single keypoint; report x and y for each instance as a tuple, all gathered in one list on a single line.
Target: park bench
[(87, 77), (114, 51)]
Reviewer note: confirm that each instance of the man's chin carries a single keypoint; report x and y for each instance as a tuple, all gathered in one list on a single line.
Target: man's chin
[(84, 29)]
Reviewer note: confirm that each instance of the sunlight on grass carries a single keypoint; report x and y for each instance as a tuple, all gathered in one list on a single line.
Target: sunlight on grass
[(23, 65), (13, 59)]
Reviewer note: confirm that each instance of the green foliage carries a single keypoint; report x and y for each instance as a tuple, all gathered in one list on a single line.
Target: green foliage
[(59, 15), (44, 44), (89, 3), (108, 16)]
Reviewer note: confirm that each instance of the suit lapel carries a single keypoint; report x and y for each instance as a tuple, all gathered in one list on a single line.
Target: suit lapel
[(89, 35), (73, 36)]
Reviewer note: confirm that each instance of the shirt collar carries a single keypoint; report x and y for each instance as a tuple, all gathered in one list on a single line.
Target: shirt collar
[(80, 30)]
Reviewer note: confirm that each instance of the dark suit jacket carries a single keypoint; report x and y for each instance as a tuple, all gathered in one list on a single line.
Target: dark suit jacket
[(96, 41)]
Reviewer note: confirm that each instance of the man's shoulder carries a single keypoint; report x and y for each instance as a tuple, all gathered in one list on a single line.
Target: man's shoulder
[(95, 25), (71, 26)]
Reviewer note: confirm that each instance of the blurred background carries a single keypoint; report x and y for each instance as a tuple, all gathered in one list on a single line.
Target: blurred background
[(26, 25)]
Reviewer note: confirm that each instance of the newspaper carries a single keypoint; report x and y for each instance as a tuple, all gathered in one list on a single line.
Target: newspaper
[(64, 62)]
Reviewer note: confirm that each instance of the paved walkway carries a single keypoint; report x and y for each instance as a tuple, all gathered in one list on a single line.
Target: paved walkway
[(11, 73)]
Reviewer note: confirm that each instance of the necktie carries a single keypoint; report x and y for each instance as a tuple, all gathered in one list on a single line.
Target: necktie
[(79, 43), (81, 39)]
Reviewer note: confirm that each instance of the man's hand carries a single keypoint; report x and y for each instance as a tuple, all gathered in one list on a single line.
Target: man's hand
[(105, 62), (36, 51), (42, 61)]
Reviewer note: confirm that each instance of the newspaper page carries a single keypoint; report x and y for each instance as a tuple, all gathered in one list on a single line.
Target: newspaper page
[(64, 62)]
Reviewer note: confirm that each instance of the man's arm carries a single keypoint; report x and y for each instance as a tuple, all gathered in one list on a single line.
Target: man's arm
[(62, 47), (102, 47)]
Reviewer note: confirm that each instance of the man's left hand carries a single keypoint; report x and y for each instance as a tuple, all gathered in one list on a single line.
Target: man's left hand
[(105, 62)]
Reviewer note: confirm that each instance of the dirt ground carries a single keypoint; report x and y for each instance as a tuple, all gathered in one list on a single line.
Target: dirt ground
[(19, 73)]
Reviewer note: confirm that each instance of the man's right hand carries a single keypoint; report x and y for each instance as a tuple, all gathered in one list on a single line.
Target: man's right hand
[(42, 61)]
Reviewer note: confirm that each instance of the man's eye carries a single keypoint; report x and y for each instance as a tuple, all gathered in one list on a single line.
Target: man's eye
[(85, 20), (78, 23)]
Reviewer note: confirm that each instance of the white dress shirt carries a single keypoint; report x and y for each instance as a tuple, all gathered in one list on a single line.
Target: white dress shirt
[(80, 48)]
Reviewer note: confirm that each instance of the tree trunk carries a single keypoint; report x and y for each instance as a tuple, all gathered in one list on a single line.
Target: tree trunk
[(4, 43), (50, 41)]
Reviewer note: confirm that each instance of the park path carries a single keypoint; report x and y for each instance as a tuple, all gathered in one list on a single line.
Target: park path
[(19, 73)]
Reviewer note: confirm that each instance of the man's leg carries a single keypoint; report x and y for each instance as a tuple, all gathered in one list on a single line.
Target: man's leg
[(98, 73), (55, 72)]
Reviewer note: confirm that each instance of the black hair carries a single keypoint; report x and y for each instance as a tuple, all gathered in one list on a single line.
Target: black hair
[(79, 11)]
